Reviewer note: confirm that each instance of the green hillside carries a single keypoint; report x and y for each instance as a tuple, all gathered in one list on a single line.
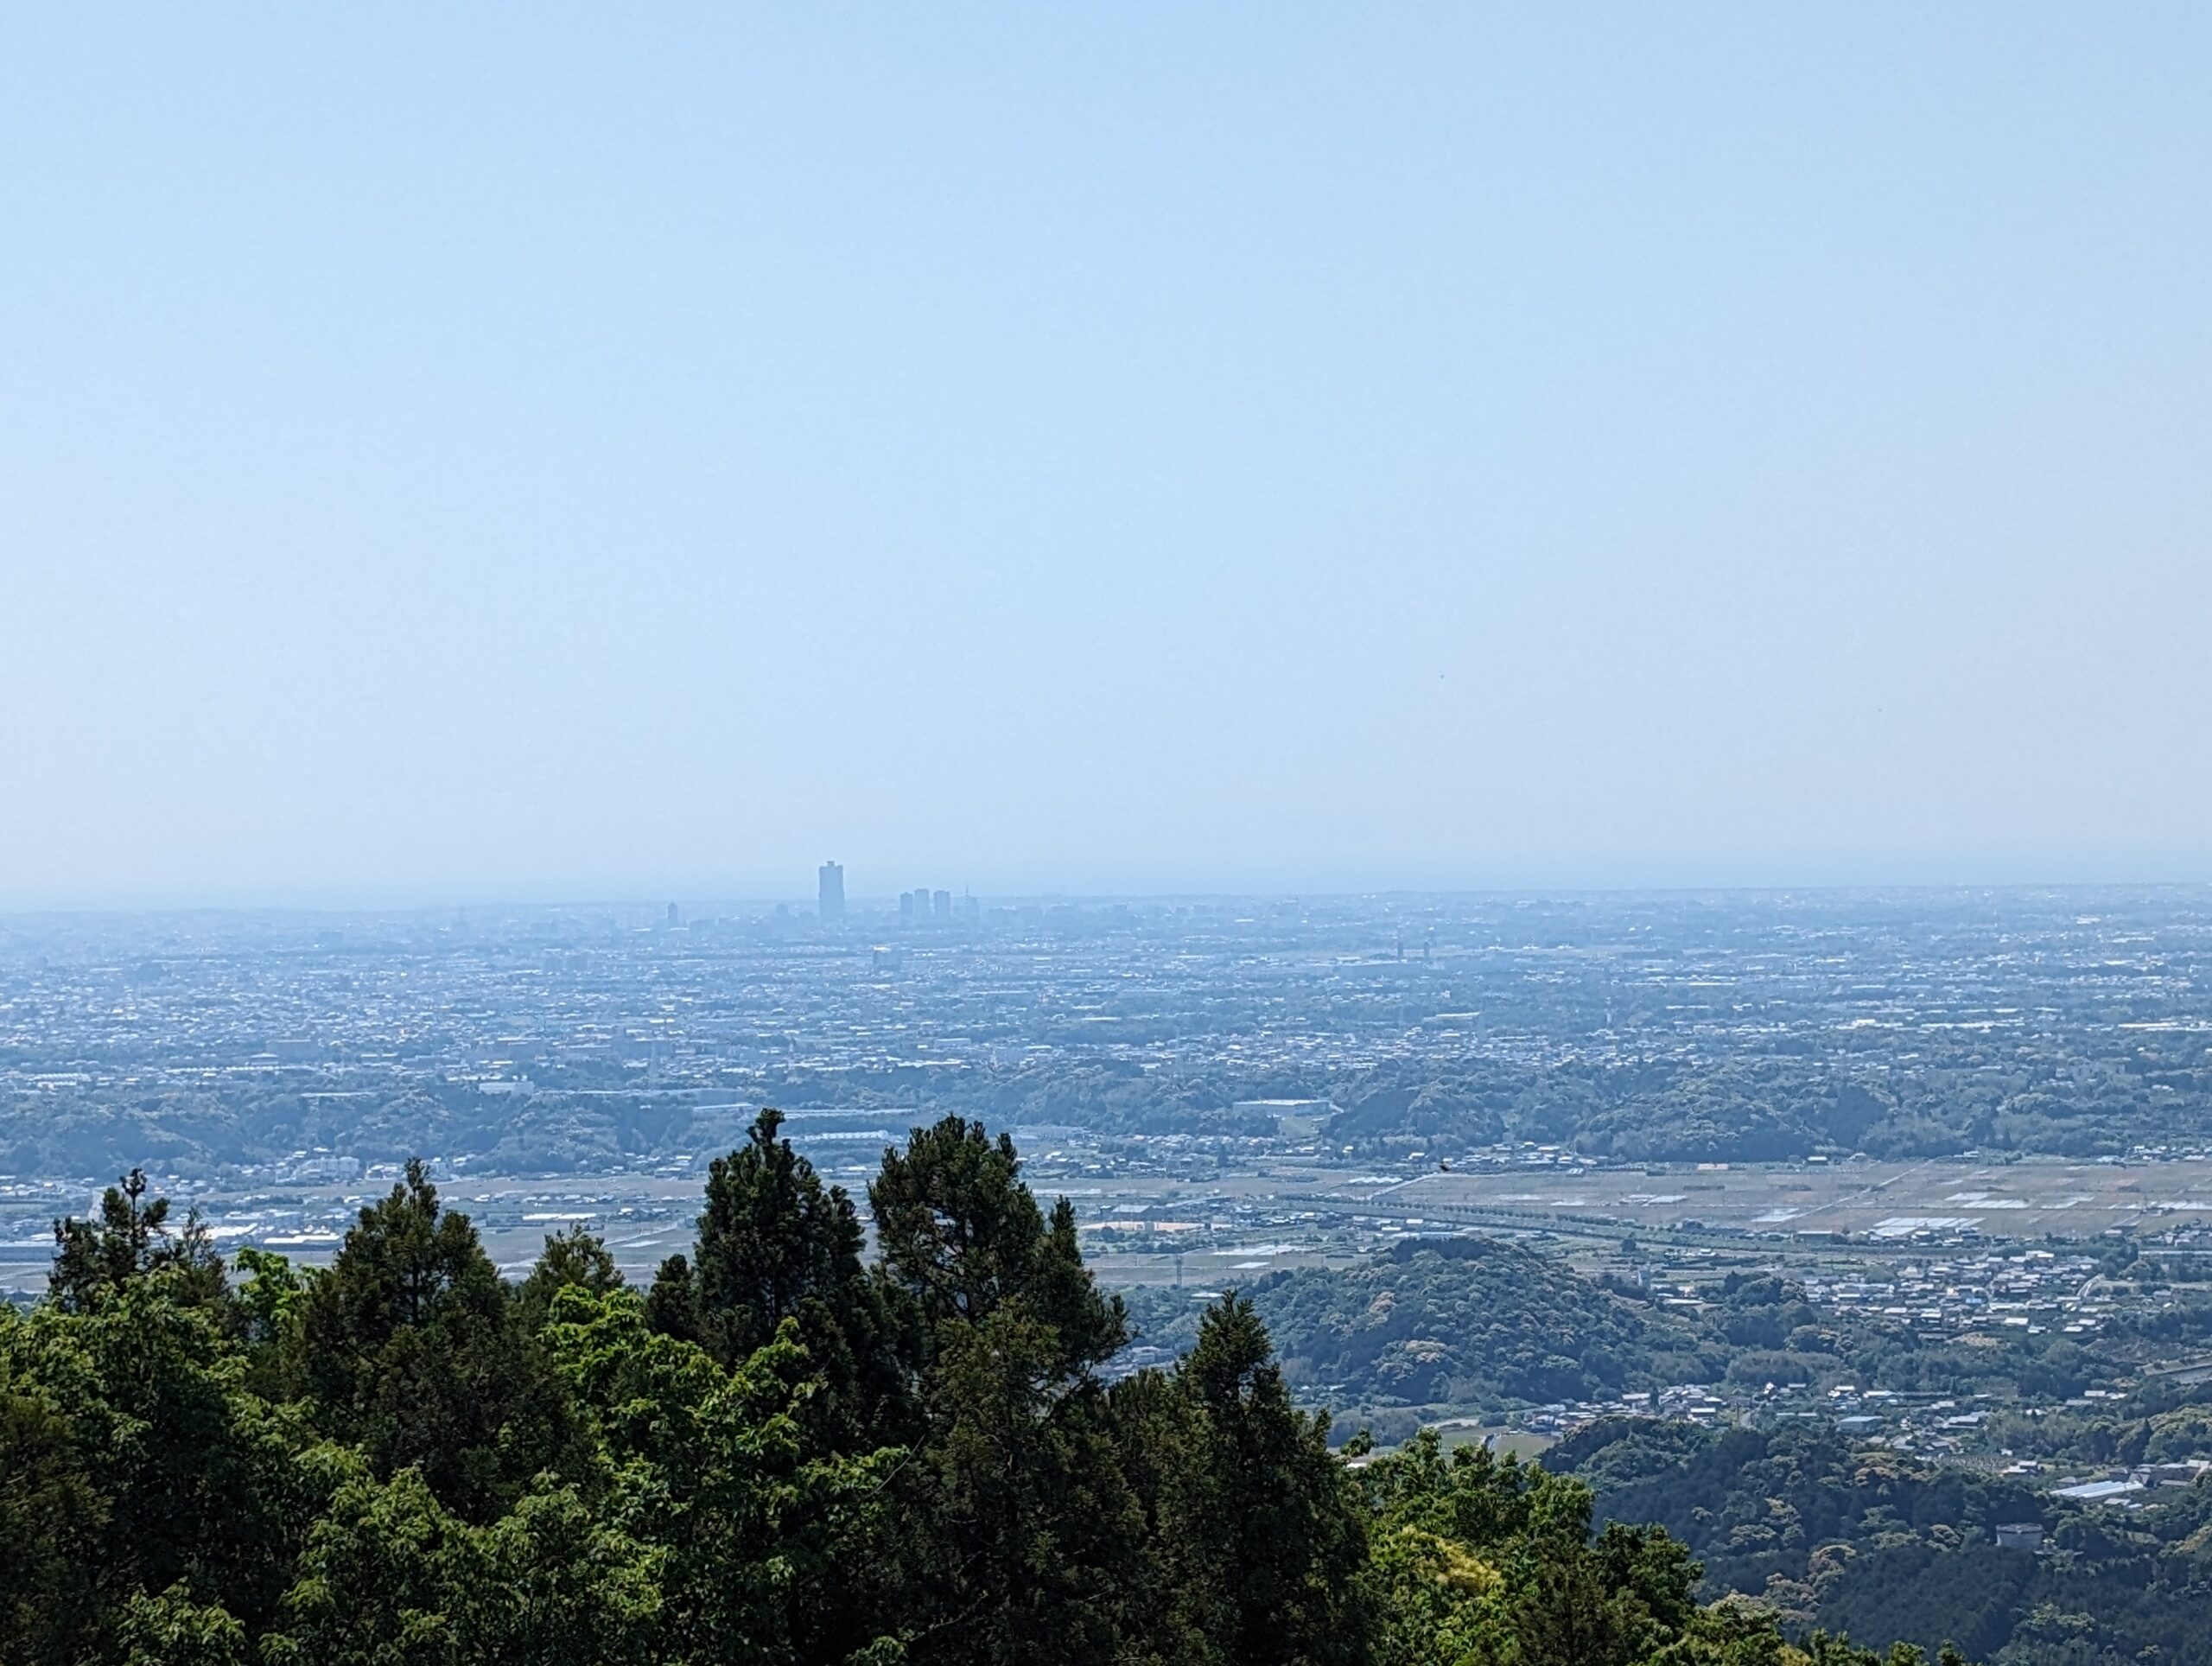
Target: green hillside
[(1481, 1325), (1472, 1321), (1835, 1537)]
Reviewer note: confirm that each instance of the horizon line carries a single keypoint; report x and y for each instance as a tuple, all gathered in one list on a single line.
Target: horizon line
[(658, 901)]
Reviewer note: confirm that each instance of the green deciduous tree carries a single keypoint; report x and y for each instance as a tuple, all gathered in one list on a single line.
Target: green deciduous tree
[(53, 1511), (172, 1630), (1475, 1555), (772, 1551), (390, 1575), (149, 1463), (576, 1258)]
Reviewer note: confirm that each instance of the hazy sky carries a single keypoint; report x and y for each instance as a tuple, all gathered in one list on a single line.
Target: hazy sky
[(516, 454)]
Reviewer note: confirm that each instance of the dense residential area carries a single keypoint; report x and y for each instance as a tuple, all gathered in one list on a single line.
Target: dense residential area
[(1906, 1284)]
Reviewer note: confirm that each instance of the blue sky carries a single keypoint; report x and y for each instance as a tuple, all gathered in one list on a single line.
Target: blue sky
[(534, 452)]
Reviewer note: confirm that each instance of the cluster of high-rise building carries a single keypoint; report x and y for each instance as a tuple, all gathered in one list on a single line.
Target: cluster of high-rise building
[(921, 907)]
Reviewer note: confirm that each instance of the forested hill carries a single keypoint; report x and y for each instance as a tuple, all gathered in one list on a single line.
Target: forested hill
[(1474, 1321), (581, 1119), (1776, 1108), (1831, 1535), (778, 1452), (1437, 1327)]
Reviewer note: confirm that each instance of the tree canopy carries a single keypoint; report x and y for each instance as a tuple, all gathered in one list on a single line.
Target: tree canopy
[(784, 1451)]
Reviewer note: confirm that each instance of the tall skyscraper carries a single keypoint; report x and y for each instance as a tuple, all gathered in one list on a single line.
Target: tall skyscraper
[(830, 895), (941, 907)]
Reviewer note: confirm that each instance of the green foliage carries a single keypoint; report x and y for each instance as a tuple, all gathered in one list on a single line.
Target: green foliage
[(389, 1576), (94, 1260), (1026, 1527), (1269, 1537), (1757, 1506), (776, 1245), (1872, 1542), (172, 1630), (53, 1511), (779, 1454), (1026, 1523), (962, 1235), (1480, 1323), (1479, 1560), (575, 1259), (713, 1468), (135, 1461), (1472, 1321), (1947, 1095), (410, 1347)]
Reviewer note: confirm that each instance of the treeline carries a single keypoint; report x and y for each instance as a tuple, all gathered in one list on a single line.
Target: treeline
[(781, 1450), (575, 1121), (1948, 1097)]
